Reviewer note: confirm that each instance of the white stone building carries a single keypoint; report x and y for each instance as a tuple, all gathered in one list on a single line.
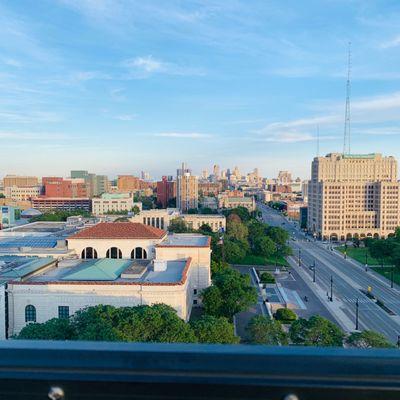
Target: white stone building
[(170, 269), (114, 203)]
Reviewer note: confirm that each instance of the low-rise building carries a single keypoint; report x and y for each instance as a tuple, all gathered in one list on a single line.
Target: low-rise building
[(114, 203), (170, 269), (22, 193), (215, 221), (161, 218), (46, 204), (228, 202)]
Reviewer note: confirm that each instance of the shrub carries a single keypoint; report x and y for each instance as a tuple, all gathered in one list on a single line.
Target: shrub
[(266, 277), (285, 315)]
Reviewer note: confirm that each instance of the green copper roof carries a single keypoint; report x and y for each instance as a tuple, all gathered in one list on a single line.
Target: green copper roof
[(27, 268), (110, 196), (106, 269)]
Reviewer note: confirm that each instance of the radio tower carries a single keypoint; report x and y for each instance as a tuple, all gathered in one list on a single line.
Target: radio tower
[(346, 141)]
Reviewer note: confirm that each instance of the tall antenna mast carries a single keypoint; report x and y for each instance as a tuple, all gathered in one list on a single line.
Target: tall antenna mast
[(346, 139)]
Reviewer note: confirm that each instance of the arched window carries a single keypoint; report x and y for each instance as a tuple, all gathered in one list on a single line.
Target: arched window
[(30, 313), (89, 252), (139, 253), (157, 222), (114, 252)]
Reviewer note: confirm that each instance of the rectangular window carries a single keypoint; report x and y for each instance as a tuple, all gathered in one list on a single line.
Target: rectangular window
[(194, 291), (194, 301), (63, 311)]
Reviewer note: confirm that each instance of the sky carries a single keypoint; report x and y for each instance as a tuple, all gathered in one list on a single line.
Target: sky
[(120, 86)]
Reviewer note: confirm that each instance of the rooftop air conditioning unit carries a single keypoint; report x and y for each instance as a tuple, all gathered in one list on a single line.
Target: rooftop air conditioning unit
[(160, 265)]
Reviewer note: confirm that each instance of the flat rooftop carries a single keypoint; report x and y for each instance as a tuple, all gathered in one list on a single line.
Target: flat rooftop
[(185, 240), (41, 226), (17, 267), (111, 271)]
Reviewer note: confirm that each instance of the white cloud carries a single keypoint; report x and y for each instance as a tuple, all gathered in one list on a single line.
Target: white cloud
[(32, 135), (125, 117), (395, 42), (145, 66), (184, 135)]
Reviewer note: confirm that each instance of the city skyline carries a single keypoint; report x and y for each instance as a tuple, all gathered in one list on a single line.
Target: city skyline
[(93, 86)]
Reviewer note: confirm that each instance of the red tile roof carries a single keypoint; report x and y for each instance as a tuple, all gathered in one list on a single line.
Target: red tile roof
[(120, 230)]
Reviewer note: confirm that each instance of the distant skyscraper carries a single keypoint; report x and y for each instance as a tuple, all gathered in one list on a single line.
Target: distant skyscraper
[(353, 196), (95, 184), (284, 178), (204, 174), (145, 175), (216, 171), (187, 189)]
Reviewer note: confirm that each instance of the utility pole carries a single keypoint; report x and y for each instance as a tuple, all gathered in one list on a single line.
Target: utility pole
[(331, 298), (357, 314), (314, 272)]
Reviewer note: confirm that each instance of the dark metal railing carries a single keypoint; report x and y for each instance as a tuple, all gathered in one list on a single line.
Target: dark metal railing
[(99, 370)]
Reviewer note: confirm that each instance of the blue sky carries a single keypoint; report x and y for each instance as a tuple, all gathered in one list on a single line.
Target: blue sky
[(117, 86)]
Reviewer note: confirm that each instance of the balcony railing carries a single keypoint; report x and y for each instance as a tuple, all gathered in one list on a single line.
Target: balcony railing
[(98, 370)]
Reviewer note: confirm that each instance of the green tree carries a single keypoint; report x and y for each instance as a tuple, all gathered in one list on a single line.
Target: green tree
[(157, 323), (53, 329), (193, 211), (136, 210), (178, 225), (263, 330), (231, 293), (205, 229), (285, 315), (2, 196), (218, 266), (368, 339), (278, 235), (266, 277), (210, 329), (233, 218), (237, 230), (212, 301), (264, 246), (207, 210), (316, 331), (234, 251), (256, 231), (242, 212)]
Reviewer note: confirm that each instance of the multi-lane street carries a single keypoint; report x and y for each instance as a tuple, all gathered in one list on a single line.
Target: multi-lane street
[(349, 282)]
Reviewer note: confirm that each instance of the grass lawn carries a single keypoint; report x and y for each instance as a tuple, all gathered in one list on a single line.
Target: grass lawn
[(260, 260), (358, 254), (385, 271)]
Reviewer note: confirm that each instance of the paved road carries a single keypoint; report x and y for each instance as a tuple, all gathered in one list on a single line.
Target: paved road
[(349, 279)]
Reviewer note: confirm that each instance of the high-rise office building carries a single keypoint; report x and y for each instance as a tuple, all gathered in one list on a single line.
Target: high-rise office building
[(216, 171), (353, 196), (95, 184), (187, 190), (166, 191), (284, 178)]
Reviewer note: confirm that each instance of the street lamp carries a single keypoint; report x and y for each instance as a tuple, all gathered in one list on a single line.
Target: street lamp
[(357, 314), (366, 261), (331, 298)]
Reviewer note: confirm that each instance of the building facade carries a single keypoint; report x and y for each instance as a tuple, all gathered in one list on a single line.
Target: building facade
[(22, 193), (353, 196), (187, 189), (45, 204), (68, 188), (15, 180), (174, 271), (166, 191), (110, 203)]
